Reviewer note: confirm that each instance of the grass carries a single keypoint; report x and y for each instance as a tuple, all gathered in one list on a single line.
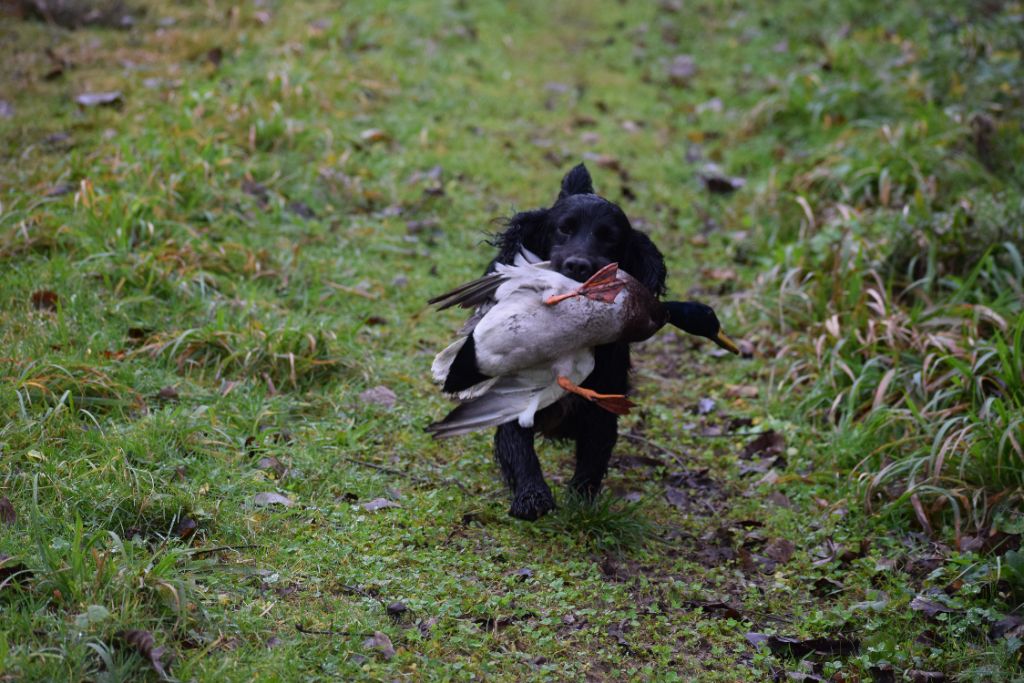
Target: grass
[(198, 285)]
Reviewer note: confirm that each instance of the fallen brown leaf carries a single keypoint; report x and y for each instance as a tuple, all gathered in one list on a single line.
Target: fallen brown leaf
[(301, 209), (7, 513), (145, 645), (271, 498), (372, 135), (681, 70), (379, 395), (764, 445), (168, 394), (215, 56), (13, 571), (799, 648), (930, 608), (780, 550), (379, 504), (426, 625), (112, 98), (716, 182), (186, 528), (1010, 626), (716, 608), (273, 464), (45, 300), (719, 274), (826, 587), (257, 190), (742, 391)]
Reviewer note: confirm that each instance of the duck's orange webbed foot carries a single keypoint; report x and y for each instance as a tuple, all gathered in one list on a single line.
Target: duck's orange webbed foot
[(602, 286), (613, 403)]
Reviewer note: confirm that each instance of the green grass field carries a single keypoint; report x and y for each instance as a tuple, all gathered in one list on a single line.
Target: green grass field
[(206, 281)]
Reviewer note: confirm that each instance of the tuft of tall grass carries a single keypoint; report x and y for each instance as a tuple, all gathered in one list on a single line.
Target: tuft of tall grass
[(605, 523), (897, 224), (280, 356), (75, 385), (928, 375)]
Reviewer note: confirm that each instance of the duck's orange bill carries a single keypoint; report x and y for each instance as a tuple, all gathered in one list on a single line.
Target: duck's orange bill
[(613, 403), (602, 286)]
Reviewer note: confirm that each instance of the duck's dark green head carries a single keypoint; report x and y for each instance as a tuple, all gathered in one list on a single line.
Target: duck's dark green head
[(699, 319)]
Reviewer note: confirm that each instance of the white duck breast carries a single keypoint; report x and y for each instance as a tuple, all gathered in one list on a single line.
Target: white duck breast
[(521, 331)]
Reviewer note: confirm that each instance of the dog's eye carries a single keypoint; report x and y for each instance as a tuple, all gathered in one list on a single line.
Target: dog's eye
[(564, 229)]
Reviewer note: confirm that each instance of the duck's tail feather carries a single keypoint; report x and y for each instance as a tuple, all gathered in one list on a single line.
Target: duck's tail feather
[(471, 294), (482, 289), (507, 399), (489, 410)]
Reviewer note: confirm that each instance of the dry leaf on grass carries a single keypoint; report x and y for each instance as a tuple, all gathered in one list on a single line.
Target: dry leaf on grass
[(7, 513), (145, 645), (379, 641), (742, 391), (112, 98), (271, 498), (379, 395), (379, 504), (45, 300), (13, 571)]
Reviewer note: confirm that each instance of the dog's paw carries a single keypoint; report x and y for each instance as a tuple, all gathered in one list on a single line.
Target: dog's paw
[(586, 488), (532, 503)]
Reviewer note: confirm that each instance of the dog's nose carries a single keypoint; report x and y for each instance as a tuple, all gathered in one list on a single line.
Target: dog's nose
[(577, 268)]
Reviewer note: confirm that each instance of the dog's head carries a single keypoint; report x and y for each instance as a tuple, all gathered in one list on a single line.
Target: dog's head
[(583, 232)]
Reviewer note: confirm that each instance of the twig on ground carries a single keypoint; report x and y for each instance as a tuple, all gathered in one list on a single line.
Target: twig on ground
[(732, 434), (653, 444), (356, 590), (218, 548), (317, 632)]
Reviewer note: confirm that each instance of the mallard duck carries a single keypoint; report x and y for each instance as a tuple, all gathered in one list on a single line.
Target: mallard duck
[(535, 341)]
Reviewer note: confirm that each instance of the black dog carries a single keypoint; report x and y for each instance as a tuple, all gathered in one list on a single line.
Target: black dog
[(580, 233)]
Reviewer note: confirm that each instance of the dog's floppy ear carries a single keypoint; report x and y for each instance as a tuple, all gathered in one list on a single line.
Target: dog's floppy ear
[(642, 260), (525, 229), (576, 181)]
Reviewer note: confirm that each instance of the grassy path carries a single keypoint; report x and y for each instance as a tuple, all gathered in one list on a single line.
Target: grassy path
[(214, 373)]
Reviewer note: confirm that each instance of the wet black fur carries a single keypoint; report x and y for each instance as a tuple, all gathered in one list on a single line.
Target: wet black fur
[(579, 233)]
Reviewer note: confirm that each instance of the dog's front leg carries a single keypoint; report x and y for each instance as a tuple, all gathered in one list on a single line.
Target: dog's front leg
[(513, 449), (596, 429), (594, 444)]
